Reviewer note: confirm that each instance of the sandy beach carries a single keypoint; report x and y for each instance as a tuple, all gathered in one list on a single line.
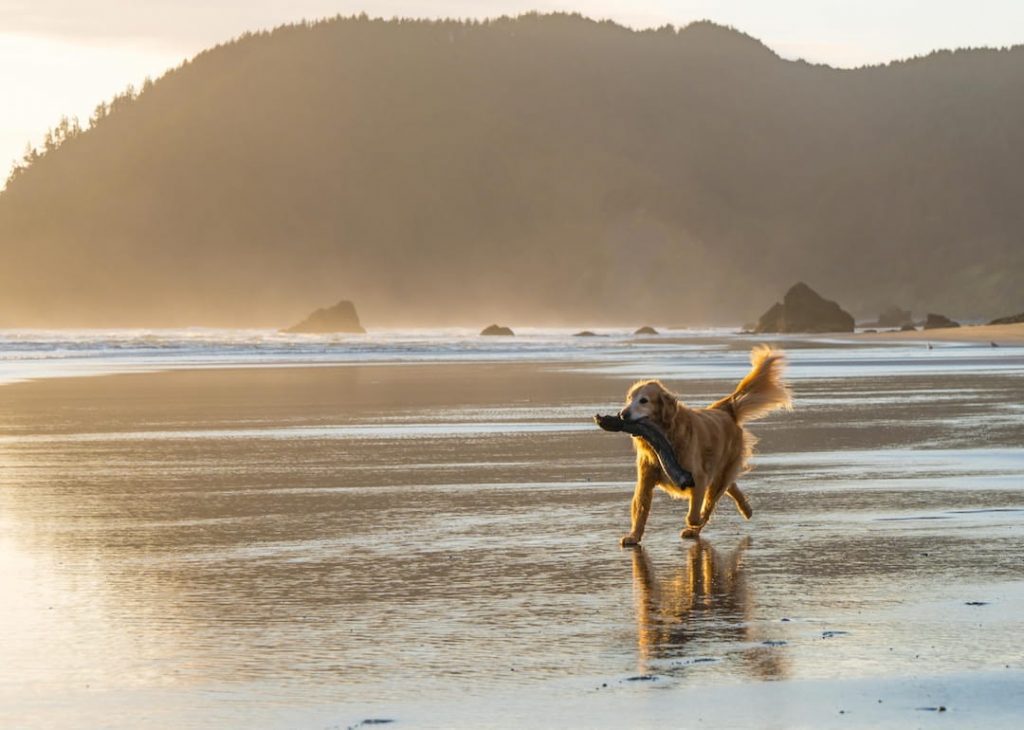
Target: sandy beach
[(1001, 334), (436, 545)]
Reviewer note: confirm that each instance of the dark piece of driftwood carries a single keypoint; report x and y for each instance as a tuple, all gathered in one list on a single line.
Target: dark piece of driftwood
[(657, 441)]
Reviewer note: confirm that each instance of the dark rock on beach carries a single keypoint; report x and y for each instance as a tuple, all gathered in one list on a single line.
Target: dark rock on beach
[(804, 310), (938, 322), (341, 317), (1013, 319), (908, 328), (497, 330)]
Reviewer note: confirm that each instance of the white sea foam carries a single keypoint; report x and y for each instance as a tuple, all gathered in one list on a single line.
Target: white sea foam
[(682, 354), (32, 354)]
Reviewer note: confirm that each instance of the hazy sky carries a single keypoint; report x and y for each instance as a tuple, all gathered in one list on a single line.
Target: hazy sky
[(64, 56)]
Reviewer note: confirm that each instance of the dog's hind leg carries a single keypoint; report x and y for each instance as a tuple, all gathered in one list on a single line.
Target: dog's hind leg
[(737, 496), (694, 520), (741, 501), (724, 483)]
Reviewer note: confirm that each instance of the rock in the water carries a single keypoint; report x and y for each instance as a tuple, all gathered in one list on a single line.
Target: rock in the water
[(646, 330), (1013, 319), (772, 320), (585, 333), (341, 317), (497, 329), (938, 322), (895, 317), (804, 310)]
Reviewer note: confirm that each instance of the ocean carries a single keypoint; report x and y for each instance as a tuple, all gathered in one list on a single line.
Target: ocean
[(694, 353)]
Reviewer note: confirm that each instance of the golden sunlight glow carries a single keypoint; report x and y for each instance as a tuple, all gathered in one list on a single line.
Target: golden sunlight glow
[(46, 78)]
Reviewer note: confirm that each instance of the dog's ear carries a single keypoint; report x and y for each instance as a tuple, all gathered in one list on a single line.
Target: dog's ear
[(666, 406)]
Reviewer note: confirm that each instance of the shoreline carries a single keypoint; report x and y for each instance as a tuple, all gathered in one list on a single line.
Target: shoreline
[(1001, 334), (557, 350)]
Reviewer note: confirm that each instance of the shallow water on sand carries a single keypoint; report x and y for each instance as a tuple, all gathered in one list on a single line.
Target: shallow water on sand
[(437, 545)]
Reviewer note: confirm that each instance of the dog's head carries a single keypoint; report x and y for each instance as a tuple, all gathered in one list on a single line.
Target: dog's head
[(649, 399)]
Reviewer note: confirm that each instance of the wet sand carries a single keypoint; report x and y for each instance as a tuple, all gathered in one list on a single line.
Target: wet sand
[(437, 546)]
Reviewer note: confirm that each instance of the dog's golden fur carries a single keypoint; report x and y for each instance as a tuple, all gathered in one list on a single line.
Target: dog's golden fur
[(710, 442)]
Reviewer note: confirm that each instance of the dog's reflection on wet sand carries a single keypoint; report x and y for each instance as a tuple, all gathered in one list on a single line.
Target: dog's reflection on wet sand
[(700, 604)]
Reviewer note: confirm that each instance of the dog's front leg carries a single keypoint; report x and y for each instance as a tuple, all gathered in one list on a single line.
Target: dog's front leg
[(640, 507), (693, 515)]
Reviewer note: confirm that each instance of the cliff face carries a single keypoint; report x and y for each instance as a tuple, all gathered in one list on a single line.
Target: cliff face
[(539, 169)]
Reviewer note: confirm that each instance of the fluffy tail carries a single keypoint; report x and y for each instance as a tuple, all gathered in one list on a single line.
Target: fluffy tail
[(762, 391)]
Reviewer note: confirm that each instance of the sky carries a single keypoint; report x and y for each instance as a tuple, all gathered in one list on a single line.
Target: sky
[(62, 57)]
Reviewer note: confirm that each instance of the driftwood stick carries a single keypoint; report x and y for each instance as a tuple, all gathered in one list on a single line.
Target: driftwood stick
[(657, 440)]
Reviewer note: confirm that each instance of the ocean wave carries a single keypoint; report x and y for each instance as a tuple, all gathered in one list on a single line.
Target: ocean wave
[(31, 354), (707, 354)]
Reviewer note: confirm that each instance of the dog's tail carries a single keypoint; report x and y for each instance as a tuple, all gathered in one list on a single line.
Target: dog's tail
[(762, 391)]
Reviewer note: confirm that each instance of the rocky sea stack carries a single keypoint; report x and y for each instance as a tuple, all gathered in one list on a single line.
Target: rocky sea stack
[(497, 330), (939, 322), (341, 317), (804, 310)]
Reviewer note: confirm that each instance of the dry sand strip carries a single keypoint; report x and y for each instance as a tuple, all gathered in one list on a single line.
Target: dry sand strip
[(1001, 334)]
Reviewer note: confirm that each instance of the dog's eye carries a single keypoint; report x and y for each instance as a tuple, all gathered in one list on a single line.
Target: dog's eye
[(643, 400)]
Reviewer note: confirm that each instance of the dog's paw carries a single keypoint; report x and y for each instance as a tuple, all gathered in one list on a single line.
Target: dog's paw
[(629, 540), (690, 533)]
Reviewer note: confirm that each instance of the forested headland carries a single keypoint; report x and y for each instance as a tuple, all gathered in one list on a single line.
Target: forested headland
[(543, 169)]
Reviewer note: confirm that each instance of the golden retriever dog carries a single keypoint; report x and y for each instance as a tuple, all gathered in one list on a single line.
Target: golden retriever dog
[(710, 442)]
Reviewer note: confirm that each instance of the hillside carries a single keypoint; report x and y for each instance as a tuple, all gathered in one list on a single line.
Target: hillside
[(542, 169)]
